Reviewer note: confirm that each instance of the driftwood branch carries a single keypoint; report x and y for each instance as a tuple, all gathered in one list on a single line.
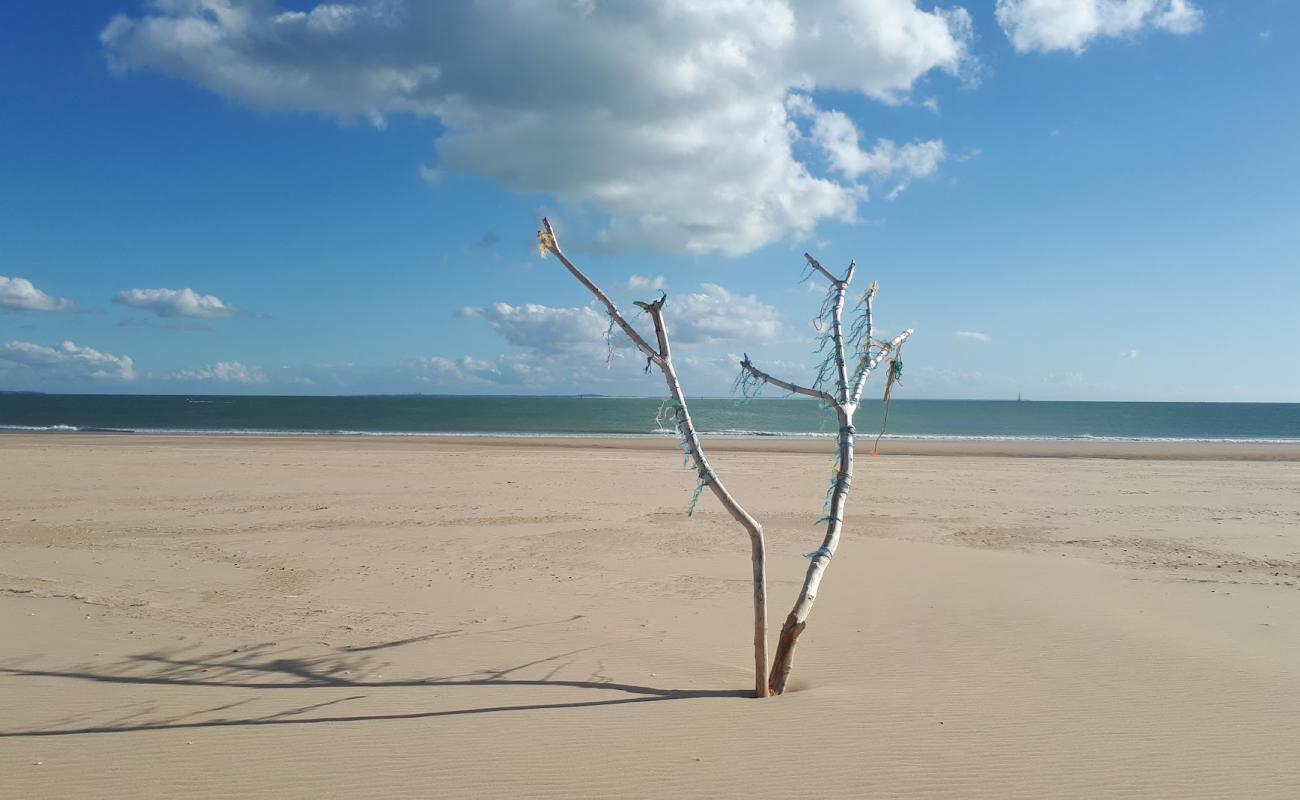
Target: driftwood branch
[(662, 357), (864, 346), (815, 264), (837, 334), (547, 242), (869, 363), (749, 367), (845, 404)]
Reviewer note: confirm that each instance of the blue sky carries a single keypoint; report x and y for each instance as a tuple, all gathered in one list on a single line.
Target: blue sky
[(1072, 199)]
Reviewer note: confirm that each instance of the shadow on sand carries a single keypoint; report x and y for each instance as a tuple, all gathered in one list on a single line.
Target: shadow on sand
[(267, 667)]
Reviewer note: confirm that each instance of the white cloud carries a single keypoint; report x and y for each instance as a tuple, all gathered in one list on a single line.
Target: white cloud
[(19, 294), (1046, 25), (512, 373), (68, 361), (717, 315), (545, 329), (223, 372), (709, 316), (175, 303), (641, 283), (971, 336), (836, 134), (1129, 354), (430, 175), (509, 370), (667, 116)]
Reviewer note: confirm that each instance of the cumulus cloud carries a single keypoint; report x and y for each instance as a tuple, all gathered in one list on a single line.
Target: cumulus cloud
[(1129, 354), (971, 336), (838, 137), (1046, 25), (223, 372), (506, 370), (175, 303), (641, 283), (68, 361), (669, 117), (709, 316), (18, 294), (717, 315), (545, 329)]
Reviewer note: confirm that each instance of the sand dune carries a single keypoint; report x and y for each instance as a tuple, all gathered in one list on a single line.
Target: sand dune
[(206, 617)]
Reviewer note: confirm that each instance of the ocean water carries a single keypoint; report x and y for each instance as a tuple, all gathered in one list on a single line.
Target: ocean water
[(541, 416)]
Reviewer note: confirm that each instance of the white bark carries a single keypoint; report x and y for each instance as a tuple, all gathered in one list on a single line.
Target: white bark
[(662, 358), (845, 405)]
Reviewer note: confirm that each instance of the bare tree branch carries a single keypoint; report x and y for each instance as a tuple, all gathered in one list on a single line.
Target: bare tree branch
[(663, 358), (547, 242), (869, 363), (749, 367), (837, 334), (815, 264), (845, 405)]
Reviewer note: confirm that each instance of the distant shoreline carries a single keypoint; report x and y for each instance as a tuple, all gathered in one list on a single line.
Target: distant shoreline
[(1162, 450)]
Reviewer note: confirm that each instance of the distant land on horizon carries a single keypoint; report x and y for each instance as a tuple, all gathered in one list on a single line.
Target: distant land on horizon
[(597, 396)]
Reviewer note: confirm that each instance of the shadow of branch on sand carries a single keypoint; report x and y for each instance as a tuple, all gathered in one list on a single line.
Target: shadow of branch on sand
[(266, 666)]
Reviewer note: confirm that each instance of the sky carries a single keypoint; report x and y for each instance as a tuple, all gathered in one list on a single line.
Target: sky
[(1067, 199)]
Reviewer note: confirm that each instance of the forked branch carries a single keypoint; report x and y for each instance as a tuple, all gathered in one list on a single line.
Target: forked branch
[(547, 243), (844, 402), (662, 357)]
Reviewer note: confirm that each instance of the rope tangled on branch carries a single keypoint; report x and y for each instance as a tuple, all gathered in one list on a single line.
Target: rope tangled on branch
[(747, 384), (671, 410), (609, 343), (895, 376), (703, 478)]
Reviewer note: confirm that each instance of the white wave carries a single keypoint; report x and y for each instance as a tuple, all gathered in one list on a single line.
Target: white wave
[(725, 433)]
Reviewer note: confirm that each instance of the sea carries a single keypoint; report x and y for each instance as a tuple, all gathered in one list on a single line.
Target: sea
[(792, 418)]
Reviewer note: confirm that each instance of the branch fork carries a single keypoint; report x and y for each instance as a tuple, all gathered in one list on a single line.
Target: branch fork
[(661, 356), (844, 402)]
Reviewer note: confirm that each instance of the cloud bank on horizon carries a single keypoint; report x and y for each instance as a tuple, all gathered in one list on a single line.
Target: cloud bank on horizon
[(68, 361)]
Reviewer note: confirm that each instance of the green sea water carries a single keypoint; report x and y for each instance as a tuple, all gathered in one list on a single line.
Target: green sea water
[(795, 417)]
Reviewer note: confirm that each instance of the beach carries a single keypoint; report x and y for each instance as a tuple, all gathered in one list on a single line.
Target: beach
[(214, 616)]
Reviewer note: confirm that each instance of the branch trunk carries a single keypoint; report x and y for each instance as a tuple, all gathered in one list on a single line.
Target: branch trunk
[(797, 621), (837, 332), (845, 402), (749, 367), (663, 358), (757, 546)]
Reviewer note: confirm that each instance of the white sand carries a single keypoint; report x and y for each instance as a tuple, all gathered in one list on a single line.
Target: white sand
[(217, 617)]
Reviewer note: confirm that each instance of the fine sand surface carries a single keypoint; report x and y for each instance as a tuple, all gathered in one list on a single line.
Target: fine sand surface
[(329, 617)]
